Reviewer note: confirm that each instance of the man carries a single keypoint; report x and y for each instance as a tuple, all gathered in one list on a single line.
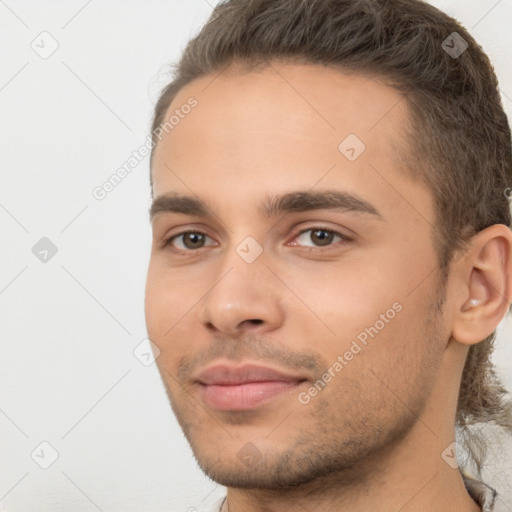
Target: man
[(332, 254)]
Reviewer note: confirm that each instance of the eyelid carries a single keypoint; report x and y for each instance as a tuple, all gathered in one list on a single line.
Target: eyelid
[(167, 240), (318, 227)]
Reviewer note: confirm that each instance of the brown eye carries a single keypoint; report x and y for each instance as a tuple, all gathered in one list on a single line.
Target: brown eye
[(318, 237), (190, 240), (193, 240), (321, 237)]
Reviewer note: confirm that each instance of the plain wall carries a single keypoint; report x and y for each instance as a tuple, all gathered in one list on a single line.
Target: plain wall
[(70, 325)]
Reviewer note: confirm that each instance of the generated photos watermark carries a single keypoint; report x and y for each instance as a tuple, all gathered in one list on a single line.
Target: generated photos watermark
[(101, 191), (356, 347)]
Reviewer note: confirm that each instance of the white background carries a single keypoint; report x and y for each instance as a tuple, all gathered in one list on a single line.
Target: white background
[(68, 375)]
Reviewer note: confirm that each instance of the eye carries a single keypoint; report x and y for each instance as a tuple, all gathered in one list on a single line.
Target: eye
[(189, 240), (318, 237)]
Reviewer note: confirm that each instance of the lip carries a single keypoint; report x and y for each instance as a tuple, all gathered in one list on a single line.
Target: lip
[(225, 375), (242, 388)]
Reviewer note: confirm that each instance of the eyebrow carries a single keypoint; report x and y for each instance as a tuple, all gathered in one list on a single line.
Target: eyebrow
[(300, 201)]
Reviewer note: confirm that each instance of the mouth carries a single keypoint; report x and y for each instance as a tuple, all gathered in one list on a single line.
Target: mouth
[(227, 388)]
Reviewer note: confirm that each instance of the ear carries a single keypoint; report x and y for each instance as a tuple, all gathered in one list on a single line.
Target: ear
[(483, 281)]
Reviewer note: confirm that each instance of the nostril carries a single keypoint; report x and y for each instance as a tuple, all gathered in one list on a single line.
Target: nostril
[(255, 321)]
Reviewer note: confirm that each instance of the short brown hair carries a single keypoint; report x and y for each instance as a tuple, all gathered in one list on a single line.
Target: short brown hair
[(459, 135)]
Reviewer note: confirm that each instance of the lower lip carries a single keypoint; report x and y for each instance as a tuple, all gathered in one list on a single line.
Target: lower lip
[(243, 397)]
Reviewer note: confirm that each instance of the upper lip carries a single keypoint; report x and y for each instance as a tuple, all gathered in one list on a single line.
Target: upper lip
[(225, 375)]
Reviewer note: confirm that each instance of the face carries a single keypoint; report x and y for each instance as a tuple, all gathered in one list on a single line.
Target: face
[(292, 289)]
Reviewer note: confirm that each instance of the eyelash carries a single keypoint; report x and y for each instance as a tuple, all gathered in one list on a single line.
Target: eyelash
[(344, 239)]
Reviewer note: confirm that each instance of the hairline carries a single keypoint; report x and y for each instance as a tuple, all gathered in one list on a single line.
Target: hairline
[(403, 146)]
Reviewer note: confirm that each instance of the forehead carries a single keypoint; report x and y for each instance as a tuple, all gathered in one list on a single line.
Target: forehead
[(255, 130)]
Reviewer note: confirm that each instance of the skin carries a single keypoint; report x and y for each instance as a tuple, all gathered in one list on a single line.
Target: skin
[(373, 437)]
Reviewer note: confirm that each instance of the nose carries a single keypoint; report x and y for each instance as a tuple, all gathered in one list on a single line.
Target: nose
[(244, 298)]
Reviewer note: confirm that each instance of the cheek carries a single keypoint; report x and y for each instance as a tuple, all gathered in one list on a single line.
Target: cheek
[(150, 300), (172, 301), (348, 297), (170, 294), (380, 367), (158, 301), (369, 318)]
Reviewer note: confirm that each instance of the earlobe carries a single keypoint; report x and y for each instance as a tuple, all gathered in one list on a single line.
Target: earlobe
[(485, 279)]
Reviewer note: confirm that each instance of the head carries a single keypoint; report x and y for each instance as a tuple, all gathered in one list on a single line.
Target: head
[(346, 185)]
